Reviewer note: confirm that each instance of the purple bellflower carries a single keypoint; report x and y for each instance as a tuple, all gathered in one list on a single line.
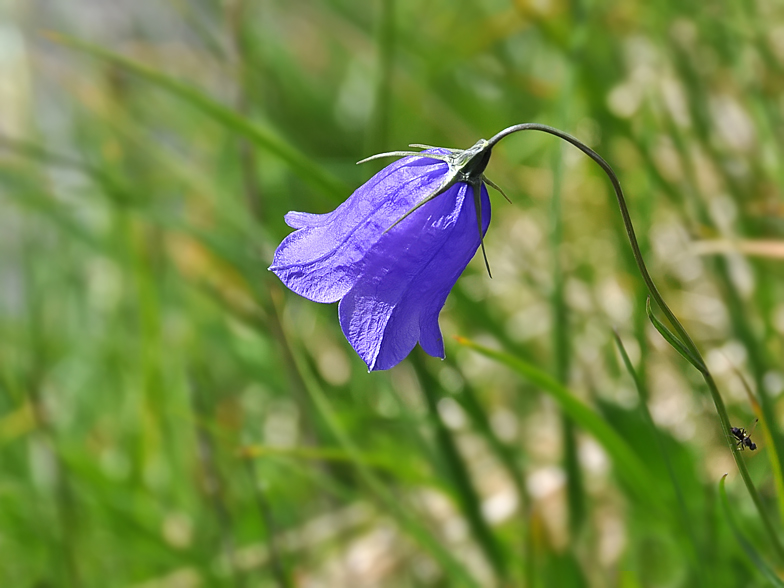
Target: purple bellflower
[(392, 252)]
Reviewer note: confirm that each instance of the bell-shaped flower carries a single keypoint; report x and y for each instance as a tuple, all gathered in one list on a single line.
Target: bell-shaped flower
[(392, 252)]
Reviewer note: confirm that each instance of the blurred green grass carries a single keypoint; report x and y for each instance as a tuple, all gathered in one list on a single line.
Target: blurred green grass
[(171, 416)]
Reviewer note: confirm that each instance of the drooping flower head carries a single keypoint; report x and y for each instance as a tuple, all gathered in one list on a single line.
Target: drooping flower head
[(392, 252)]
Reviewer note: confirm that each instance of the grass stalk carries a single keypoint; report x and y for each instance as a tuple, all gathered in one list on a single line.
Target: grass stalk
[(682, 334), (392, 504), (65, 540), (562, 345), (468, 497), (213, 484), (773, 458), (378, 137), (629, 467), (683, 518)]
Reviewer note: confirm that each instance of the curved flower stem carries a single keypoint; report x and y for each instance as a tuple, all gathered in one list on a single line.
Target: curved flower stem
[(627, 221), (682, 335)]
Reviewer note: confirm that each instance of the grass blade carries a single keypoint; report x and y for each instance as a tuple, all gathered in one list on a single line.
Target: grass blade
[(747, 547), (629, 466), (770, 445), (262, 136), (683, 511), (674, 342), (419, 532), (470, 501)]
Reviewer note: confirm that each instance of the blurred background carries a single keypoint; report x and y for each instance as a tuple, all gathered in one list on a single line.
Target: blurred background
[(172, 417)]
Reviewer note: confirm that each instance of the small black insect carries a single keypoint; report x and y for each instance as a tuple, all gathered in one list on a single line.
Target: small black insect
[(744, 438)]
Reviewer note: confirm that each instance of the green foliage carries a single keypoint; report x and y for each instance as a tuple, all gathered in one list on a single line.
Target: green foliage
[(172, 416)]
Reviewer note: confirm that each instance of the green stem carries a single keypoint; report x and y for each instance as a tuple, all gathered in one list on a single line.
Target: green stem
[(385, 41), (683, 335), (627, 221), (683, 517), (467, 495), (452, 566), (575, 494)]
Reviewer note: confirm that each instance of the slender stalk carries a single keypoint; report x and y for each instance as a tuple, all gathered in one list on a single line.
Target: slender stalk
[(561, 340), (683, 517), (627, 221), (248, 160), (744, 472), (213, 485), (772, 451), (466, 493), (737, 310), (683, 335), (453, 567), (575, 495), (378, 135), (277, 568), (64, 534)]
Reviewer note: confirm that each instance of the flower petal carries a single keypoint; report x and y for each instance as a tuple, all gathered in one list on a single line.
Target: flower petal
[(407, 277), (320, 260), (302, 220)]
